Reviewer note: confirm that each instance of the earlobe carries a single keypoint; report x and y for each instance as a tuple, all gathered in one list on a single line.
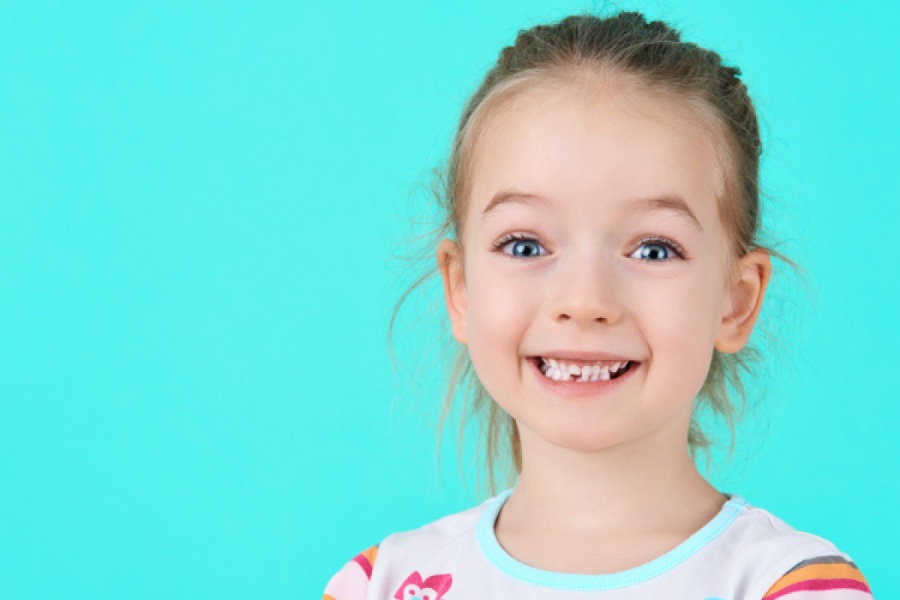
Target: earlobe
[(450, 264), (744, 301)]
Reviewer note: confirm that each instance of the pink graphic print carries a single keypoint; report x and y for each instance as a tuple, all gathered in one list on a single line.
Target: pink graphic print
[(432, 588)]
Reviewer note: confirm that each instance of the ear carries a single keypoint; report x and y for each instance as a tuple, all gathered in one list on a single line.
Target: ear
[(450, 263), (744, 301)]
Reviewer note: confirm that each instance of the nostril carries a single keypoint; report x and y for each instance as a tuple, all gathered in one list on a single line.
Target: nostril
[(592, 316)]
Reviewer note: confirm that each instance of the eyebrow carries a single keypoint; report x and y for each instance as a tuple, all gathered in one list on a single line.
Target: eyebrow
[(669, 202), (508, 197)]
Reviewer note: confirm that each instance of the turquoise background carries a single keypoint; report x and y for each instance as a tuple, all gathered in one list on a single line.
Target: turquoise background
[(201, 209)]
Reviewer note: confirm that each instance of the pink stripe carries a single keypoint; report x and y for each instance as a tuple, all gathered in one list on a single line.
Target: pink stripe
[(363, 562), (820, 585)]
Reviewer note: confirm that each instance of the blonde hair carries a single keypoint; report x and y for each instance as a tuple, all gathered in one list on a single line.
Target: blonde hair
[(653, 54)]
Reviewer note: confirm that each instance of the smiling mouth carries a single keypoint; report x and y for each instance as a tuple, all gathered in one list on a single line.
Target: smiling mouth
[(582, 371)]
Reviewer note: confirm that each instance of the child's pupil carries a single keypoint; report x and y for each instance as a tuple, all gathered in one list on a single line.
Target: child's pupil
[(525, 248), (654, 252)]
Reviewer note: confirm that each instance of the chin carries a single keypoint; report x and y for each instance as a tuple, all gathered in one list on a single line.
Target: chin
[(578, 438)]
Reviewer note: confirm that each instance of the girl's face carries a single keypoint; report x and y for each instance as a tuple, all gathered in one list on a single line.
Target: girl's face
[(592, 237)]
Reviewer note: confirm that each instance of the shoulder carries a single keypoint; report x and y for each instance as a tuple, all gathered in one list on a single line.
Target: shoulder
[(760, 530), (354, 580), (794, 564), (439, 533)]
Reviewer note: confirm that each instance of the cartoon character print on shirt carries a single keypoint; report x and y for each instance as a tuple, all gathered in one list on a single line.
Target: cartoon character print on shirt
[(432, 588)]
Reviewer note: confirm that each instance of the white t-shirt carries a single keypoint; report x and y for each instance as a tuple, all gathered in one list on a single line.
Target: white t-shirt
[(739, 555)]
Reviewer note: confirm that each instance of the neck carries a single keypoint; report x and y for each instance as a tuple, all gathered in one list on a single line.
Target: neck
[(628, 488)]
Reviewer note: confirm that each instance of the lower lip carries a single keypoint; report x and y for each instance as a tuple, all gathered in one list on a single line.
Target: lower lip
[(579, 389)]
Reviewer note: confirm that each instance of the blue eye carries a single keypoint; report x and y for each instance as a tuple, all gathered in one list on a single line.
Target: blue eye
[(520, 246), (658, 250), (653, 252)]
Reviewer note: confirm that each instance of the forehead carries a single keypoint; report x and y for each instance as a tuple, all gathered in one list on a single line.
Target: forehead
[(607, 140)]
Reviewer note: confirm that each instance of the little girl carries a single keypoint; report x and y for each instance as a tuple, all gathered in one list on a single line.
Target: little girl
[(603, 278)]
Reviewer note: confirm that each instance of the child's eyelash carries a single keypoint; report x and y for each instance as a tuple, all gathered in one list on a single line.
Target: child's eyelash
[(514, 237), (501, 244)]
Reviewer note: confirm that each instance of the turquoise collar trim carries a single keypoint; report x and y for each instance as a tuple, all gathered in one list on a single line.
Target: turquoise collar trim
[(570, 581)]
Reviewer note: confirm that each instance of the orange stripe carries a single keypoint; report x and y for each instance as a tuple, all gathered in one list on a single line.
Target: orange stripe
[(819, 571), (371, 553), (327, 597)]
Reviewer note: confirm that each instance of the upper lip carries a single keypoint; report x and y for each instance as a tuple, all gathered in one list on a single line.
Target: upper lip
[(577, 355)]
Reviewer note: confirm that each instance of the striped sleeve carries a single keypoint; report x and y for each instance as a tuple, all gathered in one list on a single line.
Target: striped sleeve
[(821, 578), (352, 581)]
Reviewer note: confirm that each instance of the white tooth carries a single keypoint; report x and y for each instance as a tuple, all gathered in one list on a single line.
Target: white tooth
[(595, 370), (553, 363), (574, 369), (594, 375), (585, 374), (557, 375), (614, 368), (566, 376), (604, 373)]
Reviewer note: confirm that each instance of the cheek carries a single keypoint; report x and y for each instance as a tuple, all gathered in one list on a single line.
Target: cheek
[(680, 327), (499, 314), (499, 307)]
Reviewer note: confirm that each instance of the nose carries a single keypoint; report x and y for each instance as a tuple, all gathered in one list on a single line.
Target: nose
[(586, 293)]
